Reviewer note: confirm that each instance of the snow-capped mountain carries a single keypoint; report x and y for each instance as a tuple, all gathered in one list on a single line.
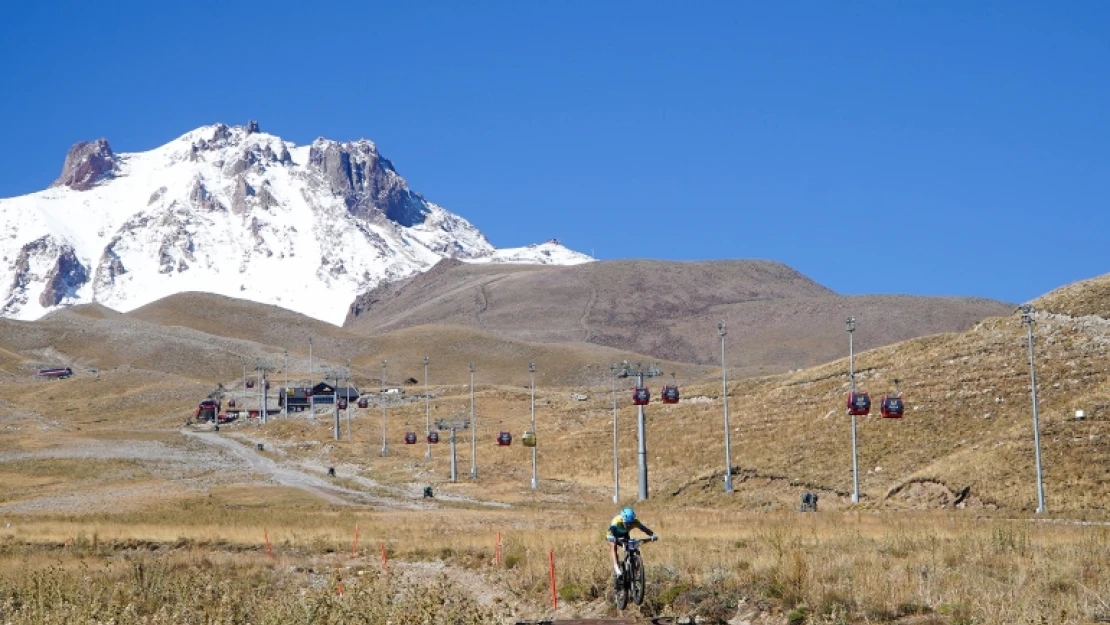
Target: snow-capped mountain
[(233, 211)]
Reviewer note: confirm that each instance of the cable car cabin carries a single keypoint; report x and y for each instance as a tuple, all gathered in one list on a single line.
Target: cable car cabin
[(250, 383), (433, 438), (410, 438), (363, 402), (859, 403), (231, 403), (529, 439), (670, 394), (641, 396), (307, 392), (342, 403), (891, 407), (504, 439)]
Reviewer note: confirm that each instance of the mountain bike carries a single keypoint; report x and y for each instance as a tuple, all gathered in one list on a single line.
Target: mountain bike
[(632, 573)]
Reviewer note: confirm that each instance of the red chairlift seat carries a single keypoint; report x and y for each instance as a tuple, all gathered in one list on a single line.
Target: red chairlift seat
[(504, 439), (410, 438), (641, 396), (433, 437), (859, 403), (891, 407), (670, 394), (363, 402)]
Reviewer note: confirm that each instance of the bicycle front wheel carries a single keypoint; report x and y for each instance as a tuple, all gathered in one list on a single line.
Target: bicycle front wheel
[(636, 579), (620, 592)]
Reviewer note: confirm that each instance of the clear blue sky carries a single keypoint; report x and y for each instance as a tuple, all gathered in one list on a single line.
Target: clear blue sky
[(953, 148)]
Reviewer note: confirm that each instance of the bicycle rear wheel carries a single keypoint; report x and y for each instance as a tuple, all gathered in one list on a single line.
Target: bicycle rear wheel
[(636, 578)]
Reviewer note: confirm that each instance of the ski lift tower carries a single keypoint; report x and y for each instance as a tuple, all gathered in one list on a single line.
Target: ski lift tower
[(334, 374), (453, 424), (264, 368), (640, 372)]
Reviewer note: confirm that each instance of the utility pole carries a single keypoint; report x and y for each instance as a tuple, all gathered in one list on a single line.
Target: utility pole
[(311, 379), (427, 413), (285, 387), (334, 374), (851, 324), (616, 462), (473, 430), (1027, 320), (263, 411), (641, 431), (453, 424), (381, 398), (347, 405), (721, 331), (532, 377)]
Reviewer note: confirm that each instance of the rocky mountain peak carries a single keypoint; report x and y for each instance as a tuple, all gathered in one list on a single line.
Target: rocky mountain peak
[(367, 182), (86, 164)]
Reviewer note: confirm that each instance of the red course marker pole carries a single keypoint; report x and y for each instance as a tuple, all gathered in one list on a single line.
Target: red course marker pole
[(554, 595)]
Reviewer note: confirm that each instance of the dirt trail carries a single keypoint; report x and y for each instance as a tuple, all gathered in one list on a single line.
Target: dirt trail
[(283, 475)]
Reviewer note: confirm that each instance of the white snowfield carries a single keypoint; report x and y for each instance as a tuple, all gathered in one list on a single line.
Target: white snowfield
[(231, 219)]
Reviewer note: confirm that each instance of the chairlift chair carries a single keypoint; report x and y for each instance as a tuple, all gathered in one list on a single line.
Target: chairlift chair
[(891, 407), (670, 394), (859, 403), (504, 439), (640, 396)]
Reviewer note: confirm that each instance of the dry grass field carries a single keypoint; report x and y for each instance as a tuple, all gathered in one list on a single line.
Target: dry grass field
[(112, 510)]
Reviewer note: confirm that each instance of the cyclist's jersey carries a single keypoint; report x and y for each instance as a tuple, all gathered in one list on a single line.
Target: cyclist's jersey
[(619, 529)]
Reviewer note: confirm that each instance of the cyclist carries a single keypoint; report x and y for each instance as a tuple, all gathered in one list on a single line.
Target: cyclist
[(619, 528)]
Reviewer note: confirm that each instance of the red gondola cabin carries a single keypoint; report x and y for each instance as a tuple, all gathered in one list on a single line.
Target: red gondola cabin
[(891, 407), (641, 396), (504, 439), (250, 383), (342, 403), (410, 438), (670, 394), (859, 403), (363, 402), (433, 437)]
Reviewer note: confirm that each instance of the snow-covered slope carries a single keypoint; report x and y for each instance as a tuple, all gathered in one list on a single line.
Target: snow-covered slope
[(232, 211)]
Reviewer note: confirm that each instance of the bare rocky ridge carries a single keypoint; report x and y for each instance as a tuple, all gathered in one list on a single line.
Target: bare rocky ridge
[(86, 164), (777, 319)]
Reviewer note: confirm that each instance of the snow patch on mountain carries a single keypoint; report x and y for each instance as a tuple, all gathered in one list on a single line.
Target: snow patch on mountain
[(232, 211)]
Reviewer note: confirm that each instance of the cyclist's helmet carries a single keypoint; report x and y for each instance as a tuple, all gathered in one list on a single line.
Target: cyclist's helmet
[(627, 515)]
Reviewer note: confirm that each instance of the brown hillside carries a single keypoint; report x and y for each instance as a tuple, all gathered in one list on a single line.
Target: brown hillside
[(1088, 297), (210, 338), (968, 421), (777, 318)]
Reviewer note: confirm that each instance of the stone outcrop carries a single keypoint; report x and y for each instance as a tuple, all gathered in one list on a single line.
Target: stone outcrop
[(252, 126), (368, 183), (243, 190), (201, 198), (65, 277), (86, 164)]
